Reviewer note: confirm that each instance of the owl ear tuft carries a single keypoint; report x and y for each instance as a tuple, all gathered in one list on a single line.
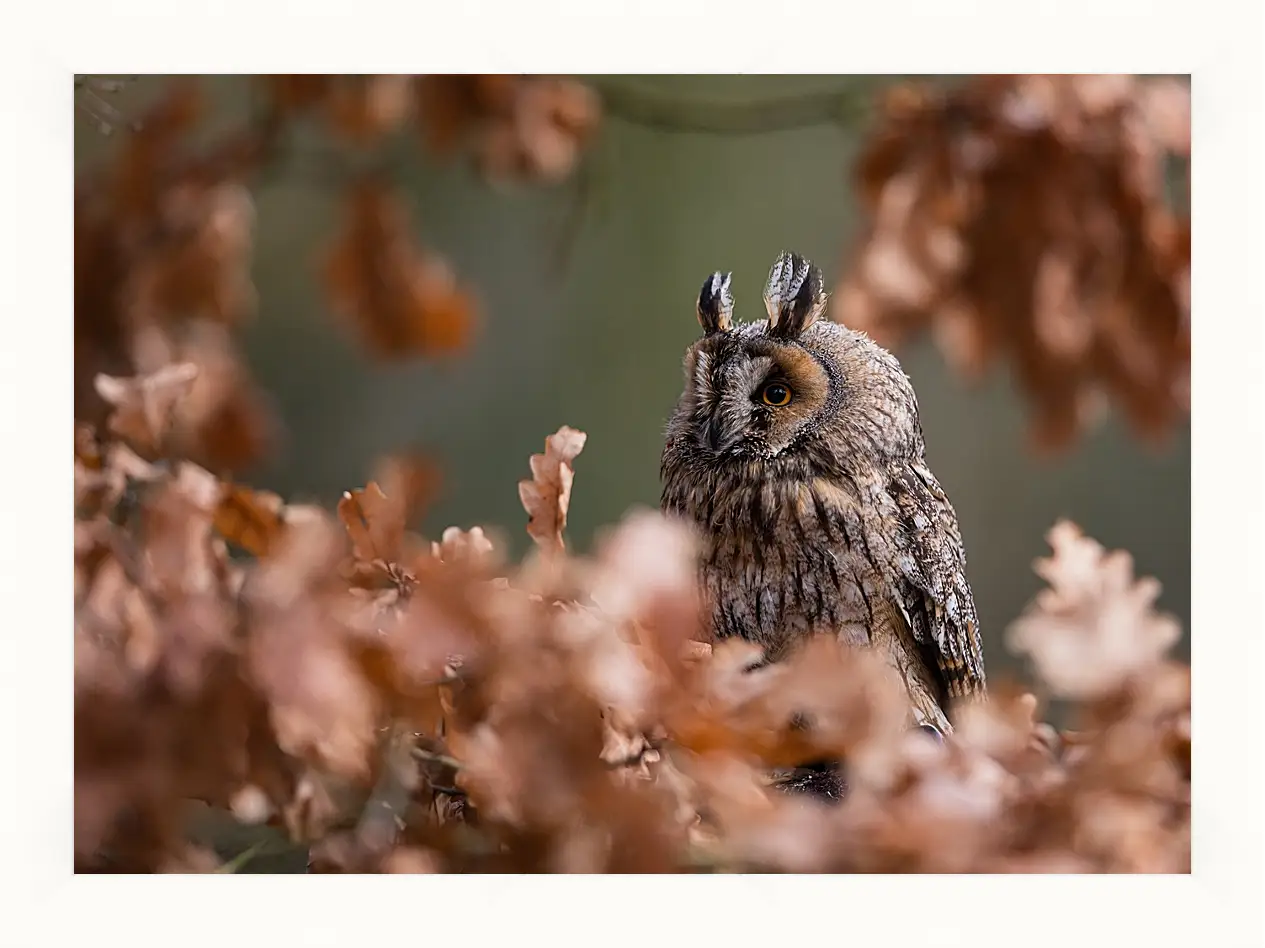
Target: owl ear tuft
[(794, 297), (716, 304)]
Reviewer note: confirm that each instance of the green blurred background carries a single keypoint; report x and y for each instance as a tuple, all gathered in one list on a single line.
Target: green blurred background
[(587, 328)]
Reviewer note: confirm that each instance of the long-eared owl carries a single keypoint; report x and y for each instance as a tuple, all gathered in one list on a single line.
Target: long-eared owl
[(797, 451)]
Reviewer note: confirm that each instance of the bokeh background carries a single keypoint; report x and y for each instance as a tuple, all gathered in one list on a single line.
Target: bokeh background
[(586, 291)]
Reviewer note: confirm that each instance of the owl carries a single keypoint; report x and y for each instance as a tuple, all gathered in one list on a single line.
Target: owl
[(796, 451)]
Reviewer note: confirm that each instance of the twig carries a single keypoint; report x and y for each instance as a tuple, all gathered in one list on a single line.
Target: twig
[(843, 106), (435, 682), (423, 754), (103, 85), (450, 791), (380, 820), (242, 858), (586, 181), (102, 113)]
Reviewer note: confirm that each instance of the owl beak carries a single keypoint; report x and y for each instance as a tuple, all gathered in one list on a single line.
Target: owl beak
[(718, 439)]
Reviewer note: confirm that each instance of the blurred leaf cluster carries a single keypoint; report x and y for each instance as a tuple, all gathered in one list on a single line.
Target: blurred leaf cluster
[(1029, 218)]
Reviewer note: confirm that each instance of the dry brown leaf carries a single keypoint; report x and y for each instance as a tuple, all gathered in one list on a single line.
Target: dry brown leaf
[(363, 109), (377, 516), (411, 481), (251, 519), (1095, 627), (87, 447), (373, 522), (202, 271), (697, 651), (412, 859), (463, 546), (223, 421), (296, 92), (1027, 218), (516, 127), (559, 736), (162, 242), (547, 496), (401, 299), (145, 407)]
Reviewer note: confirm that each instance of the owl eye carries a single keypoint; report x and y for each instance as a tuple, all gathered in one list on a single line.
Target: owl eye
[(776, 394)]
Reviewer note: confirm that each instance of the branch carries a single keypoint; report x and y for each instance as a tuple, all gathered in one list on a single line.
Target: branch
[(423, 754), (843, 107), (383, 813), (101, 113)]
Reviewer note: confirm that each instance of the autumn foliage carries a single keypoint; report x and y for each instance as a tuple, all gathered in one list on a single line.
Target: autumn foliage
[(1028, 218), (395, 703)]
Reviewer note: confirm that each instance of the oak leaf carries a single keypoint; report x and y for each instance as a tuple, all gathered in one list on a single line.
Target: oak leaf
[(1095, 627), (145, 406), (376, 516), (1029, 217), (250, 519), (373, 523), (547, 496), (402, 299)]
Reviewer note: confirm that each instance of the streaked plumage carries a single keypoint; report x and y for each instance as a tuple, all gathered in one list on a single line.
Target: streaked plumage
[(820, 515)]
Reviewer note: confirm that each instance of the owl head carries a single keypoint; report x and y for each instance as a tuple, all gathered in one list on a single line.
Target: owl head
[(791, 390)]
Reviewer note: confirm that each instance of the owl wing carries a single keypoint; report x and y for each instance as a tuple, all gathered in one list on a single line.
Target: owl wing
[(935, 594)]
